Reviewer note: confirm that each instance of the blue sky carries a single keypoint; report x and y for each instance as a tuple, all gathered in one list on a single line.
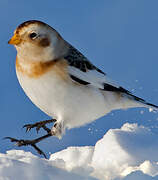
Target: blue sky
[(119, 36)]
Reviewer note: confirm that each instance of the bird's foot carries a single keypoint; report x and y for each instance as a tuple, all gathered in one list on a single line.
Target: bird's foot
[(39, 125), (22, 142), (57, 130)]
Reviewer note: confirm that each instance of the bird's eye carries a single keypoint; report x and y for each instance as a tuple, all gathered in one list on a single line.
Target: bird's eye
[(33, 35)]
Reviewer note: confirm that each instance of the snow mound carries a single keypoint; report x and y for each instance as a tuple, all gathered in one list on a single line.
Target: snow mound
[(17, 164), (128, 153), (75, 159), (120, 151)]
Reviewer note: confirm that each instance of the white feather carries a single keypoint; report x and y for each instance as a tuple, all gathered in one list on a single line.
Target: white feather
[(94, 77)]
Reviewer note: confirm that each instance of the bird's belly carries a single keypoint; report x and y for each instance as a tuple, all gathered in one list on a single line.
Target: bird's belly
[(73, 104)]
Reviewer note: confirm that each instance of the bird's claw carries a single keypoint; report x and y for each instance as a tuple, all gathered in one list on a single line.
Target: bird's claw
[(22, 142), (30, 126), (39, 125), (11, 139)]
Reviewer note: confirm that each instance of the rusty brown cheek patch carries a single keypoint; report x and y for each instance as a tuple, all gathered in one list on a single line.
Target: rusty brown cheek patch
[(36, 70), (44, 42)]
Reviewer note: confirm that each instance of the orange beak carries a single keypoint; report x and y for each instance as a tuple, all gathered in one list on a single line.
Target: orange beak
[(15, 40)]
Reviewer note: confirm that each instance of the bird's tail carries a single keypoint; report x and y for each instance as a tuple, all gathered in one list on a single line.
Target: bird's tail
[(127, 100), (141, 102)]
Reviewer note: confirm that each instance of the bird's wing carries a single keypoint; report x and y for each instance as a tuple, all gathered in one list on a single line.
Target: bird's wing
[(84, 72)]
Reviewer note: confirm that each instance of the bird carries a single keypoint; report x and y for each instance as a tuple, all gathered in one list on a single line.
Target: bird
[(63, 83)]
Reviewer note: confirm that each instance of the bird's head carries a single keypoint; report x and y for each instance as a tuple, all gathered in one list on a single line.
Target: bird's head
[(37, 41)]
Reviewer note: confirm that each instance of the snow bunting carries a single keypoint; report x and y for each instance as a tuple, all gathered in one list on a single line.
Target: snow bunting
[(62, 82)]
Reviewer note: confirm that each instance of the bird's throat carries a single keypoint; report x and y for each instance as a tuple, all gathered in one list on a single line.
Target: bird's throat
[(34, 69)]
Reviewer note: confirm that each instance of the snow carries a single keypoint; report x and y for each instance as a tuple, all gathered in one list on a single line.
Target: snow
[(128, 153), (17, 164)]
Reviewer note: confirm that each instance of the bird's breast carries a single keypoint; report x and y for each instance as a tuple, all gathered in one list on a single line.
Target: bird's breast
[(35, 70), (56, 95)]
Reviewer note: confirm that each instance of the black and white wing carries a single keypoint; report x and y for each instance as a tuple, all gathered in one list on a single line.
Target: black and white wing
[(84, 72)]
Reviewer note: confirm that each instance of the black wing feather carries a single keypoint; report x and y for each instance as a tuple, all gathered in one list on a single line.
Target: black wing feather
[(78, 60), (79, 80)]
